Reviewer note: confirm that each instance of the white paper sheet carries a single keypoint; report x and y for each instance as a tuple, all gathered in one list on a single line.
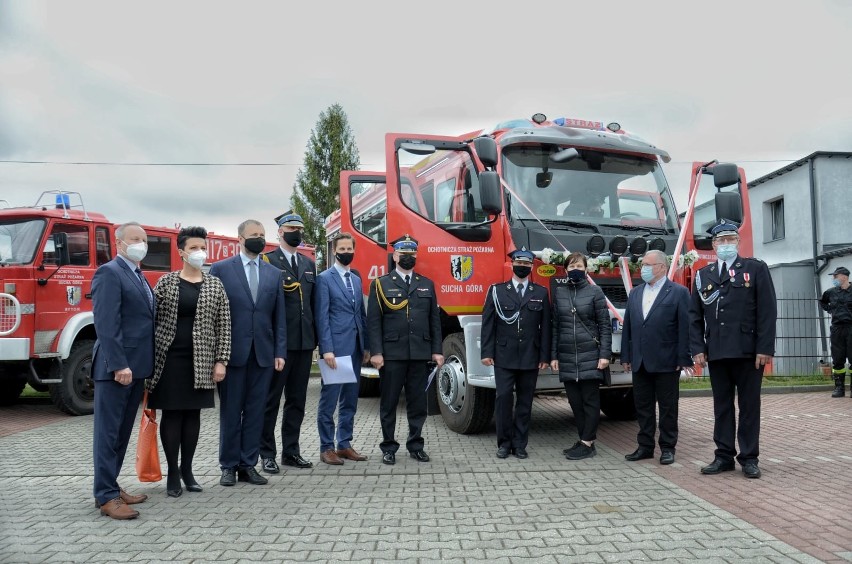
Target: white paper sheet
[(343, 374)]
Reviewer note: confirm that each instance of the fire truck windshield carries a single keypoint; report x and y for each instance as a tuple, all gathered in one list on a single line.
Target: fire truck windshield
[(19, 240), (595, 188)]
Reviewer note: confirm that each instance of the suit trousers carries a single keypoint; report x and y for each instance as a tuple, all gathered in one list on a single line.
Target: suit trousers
[(242, 400), (344, 398), (585, 399), (514, 386), (116, 407), (652, 389), (730, 377), (393, 377), (293, 383)]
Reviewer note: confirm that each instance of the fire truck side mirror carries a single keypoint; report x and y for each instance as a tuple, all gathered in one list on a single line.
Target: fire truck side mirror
[(725, 174), (486, 150), (489, 192), (729, 206), (60, 246)]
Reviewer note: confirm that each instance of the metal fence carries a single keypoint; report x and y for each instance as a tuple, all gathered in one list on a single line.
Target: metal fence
[(800, 345)]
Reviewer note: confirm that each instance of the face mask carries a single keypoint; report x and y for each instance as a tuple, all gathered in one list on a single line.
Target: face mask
[(137, 251), (727, 252), (406, 262), (196, 259), (292, 238), (835, 283), (255, 245), (344, 258), (521, 271), (647, 273), (576, 275)]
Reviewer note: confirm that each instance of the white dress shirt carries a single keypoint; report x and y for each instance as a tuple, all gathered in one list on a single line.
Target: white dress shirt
[(650, 293)]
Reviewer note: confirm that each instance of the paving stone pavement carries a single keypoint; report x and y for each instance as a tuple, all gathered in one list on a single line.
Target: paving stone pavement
[(463, 506)]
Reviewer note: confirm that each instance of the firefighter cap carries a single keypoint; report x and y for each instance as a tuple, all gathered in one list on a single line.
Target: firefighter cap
[(522, 255), (724, 227), (290, 219), (405, 244), (840, 270)]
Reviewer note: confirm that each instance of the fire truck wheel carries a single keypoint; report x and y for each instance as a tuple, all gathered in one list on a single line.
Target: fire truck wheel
[(76, 393), (11, 387), (465, 409), (617, 404)]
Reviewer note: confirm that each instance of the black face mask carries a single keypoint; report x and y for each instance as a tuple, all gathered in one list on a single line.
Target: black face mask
[(292, 238), (521, 271), (575, 276), (344, 258), (255, 245), (406, 262)]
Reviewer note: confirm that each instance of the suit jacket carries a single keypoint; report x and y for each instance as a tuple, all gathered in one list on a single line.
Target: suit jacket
[(124, 322), (659, 341), (525, 343), (740, 322), (412, 332), (301, 335), (262, 324), (341, 318)]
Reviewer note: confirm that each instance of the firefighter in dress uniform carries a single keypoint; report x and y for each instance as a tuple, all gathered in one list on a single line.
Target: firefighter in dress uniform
[(837, 301), (405, 333), (516, 342), (732, 329)]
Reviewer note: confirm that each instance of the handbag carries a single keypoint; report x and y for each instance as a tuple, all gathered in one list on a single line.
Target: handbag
[(147, 449)]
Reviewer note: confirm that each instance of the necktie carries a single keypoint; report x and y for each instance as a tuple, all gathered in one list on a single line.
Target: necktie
[(724, 269), (295, 264), (145, 286), (253, 280), (520, 290), (349, 284), (407, 280)]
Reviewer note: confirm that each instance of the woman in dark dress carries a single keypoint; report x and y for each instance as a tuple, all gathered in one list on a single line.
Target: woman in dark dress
[(193, 346)]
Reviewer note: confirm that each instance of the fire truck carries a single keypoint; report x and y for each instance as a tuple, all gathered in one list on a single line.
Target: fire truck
[(48, 255), (551, 186)]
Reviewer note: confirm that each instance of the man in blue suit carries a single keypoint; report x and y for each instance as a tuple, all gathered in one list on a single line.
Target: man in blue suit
[(341, 328), (123, 356), (655, 346), (258, 346)]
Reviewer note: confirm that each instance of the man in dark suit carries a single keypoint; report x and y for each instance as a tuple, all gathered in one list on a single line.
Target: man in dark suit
[(258, 346), (732, 328), (654, 347), (405, 333), (516, 342), (299, 280), (123, 356), (341, 326)]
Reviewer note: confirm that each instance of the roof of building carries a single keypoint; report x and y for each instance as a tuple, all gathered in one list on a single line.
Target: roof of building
[(794, 165)]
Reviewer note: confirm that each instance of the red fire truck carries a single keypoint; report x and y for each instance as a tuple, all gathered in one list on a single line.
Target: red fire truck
[(550, 186), (48, 255)]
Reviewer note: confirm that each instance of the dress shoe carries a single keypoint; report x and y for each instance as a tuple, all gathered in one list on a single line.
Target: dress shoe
[(330, 457), (173, 488), (127, 498), (502, 452), (639, 454), (389, 458), (581, 451), (667, 457), (296, 461), (351, 454), (229, 477), (175, 493), (117, 509), (269, 465), (521, 453), (751, 470), (251, 476), (419, 455), (718, 466), (189, 480)]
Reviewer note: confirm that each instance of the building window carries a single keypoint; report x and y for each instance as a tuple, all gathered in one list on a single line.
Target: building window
[(777, 215)]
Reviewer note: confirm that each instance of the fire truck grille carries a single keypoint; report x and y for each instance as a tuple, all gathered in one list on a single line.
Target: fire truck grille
[(8, 314), (616, 294)]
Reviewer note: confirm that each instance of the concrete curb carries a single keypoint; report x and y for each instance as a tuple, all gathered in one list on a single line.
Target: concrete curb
[(765, 390)]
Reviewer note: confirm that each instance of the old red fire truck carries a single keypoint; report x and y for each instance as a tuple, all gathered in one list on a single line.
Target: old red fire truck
[(549, 186)]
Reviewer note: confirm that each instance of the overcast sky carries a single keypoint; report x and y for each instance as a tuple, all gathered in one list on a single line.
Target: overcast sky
[(759, 83)]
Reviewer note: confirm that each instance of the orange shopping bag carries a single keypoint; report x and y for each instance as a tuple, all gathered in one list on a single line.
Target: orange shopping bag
[(147, 450)]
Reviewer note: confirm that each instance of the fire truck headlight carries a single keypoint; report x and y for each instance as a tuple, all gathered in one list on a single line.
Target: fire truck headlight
[(539, 118), (618, 246), (9, 287), (657, 245), (638, 247), (614, 126), (595, 245)]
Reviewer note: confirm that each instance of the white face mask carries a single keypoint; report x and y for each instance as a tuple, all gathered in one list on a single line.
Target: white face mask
[(137, 251), (196, 259)]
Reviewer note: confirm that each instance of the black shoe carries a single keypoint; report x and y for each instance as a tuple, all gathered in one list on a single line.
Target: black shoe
[(581, 451), (718, 466), (190, 482), (639, 454), (251, 476), (667, 457), (173, 488), (229, 477), (419, 455), (839, 391), (502, 452), (269, 465), (389, 458), (751, 470), (565, 451), (521, 453), (296, 460)]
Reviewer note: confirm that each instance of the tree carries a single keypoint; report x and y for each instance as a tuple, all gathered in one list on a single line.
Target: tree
[(316, 192)]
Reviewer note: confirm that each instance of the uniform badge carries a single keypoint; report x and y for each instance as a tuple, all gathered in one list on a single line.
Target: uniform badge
[(709, 287), (747, 278), (732, 273)]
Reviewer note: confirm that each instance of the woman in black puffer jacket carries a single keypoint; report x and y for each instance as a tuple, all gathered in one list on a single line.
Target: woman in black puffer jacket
[(582, 346)]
